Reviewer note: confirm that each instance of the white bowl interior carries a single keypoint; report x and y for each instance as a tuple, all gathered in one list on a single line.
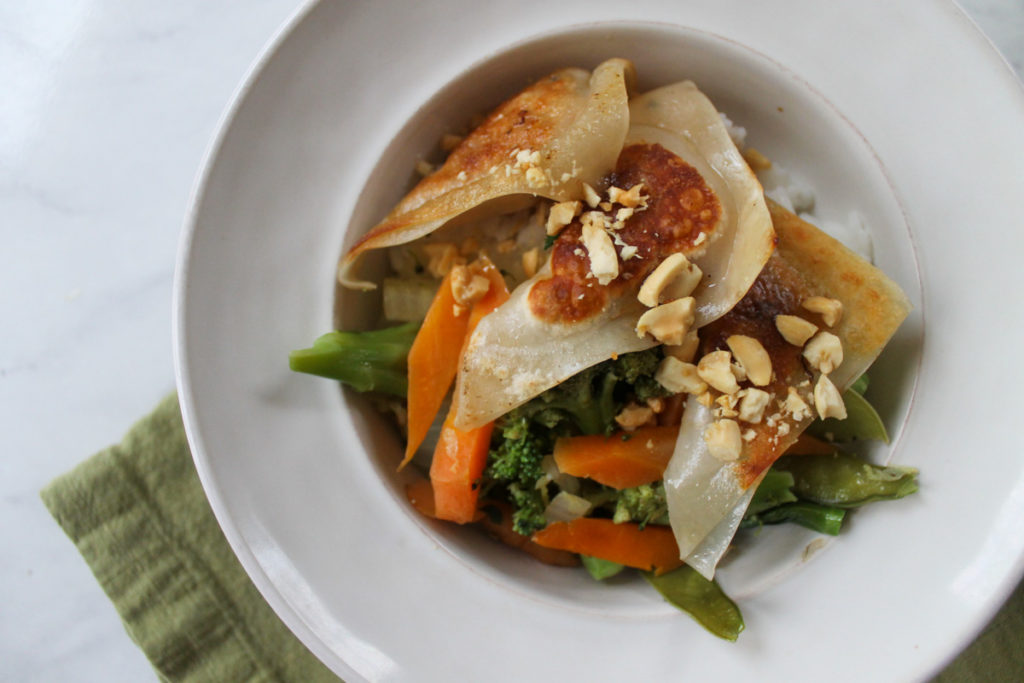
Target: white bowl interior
[(302, 475), (785, 118)]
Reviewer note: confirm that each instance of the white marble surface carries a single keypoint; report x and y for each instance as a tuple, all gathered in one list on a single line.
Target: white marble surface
[(107, 108)]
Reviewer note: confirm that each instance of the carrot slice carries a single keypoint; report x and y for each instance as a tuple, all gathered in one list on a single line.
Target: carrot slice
[(433, 362), (460, 456), (503, 531), (639, 459), (421, 494), (652, 547)]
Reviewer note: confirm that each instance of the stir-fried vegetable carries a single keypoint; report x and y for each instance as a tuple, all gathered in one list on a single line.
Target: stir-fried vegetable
[(701, 599), (366, 361), (621, 460), (845, 481), (649, 548)]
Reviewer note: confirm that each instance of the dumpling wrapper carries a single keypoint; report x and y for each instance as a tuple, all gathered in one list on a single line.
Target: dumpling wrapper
[(703, 201), (575, 121), (706, 497)]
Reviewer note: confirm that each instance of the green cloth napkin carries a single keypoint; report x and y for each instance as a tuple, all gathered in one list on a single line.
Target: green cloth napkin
[(138, 515), (140, 518)]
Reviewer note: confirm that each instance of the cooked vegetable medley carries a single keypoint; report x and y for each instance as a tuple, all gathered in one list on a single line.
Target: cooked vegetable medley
[(621, 354)]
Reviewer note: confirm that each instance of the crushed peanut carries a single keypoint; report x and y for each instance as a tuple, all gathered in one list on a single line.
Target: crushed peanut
[(467, 287), (631, 198), (604, 262), (590, 196), (705, 399), (679, 377), (824, 352), (795, 406), (794, 329), (753, 404), (687, 350), (752, 357), (715, 369), (831, 310), (675, 273), (827, 399), (668, 323), (726, 405), (441, 256), (738, 372), (424, 167), (723, 440), (531, 262), (633, 416)]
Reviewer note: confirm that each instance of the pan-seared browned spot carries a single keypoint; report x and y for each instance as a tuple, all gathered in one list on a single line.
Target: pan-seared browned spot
[(680, 208)]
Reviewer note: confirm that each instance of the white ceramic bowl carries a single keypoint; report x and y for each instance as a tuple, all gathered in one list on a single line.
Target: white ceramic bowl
[(316, 148)]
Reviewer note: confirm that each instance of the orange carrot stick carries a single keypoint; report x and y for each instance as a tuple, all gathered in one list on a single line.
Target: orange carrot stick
[(433, 362), (653, 547), (460, 456), (504, 532), (612, 461)]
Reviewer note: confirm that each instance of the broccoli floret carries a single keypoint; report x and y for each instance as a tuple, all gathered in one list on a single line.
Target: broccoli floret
[(644, 504), (366, 361), (529, 513), (517, 457), (588, 401)]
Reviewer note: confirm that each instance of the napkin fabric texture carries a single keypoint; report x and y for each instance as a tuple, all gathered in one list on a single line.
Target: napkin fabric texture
[(138, 515), (140, 518)]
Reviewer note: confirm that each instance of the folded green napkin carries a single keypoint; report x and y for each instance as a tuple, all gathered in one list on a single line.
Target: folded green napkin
[(140, 518), (138, 515)]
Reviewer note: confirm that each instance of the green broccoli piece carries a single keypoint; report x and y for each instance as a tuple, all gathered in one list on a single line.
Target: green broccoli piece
[(588, 401), (529, 513), (517, 458), (366, 361), (644, 504)]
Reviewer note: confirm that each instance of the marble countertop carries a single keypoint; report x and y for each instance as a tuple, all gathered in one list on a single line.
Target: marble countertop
[(108, 107)]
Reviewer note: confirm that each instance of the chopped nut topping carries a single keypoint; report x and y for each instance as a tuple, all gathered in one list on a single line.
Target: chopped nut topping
[(795, 406), (705, 399), (467, 287), (738, 372), (441, 256), (687, 350), (831, 310), (624, 214), (424, 167), (782, 429), (794, 329), (450, 142), (749, 435), (675, 276), (827, 399), (726, 405), (752, 356), (656, 403), (752, 405), (506, 246), (824, 352), (679, 377), (591, 196), (633, 416), (531, 262), (715, 369), (604, 262), (630, 198), (535, 177), (723, 440), (669, 322), (605, 206), (701, 239)]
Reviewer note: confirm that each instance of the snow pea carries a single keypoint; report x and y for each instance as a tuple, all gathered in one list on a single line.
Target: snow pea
[(846, 481), (820, 518), (862, 422), (600, 569), (701, 599)]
